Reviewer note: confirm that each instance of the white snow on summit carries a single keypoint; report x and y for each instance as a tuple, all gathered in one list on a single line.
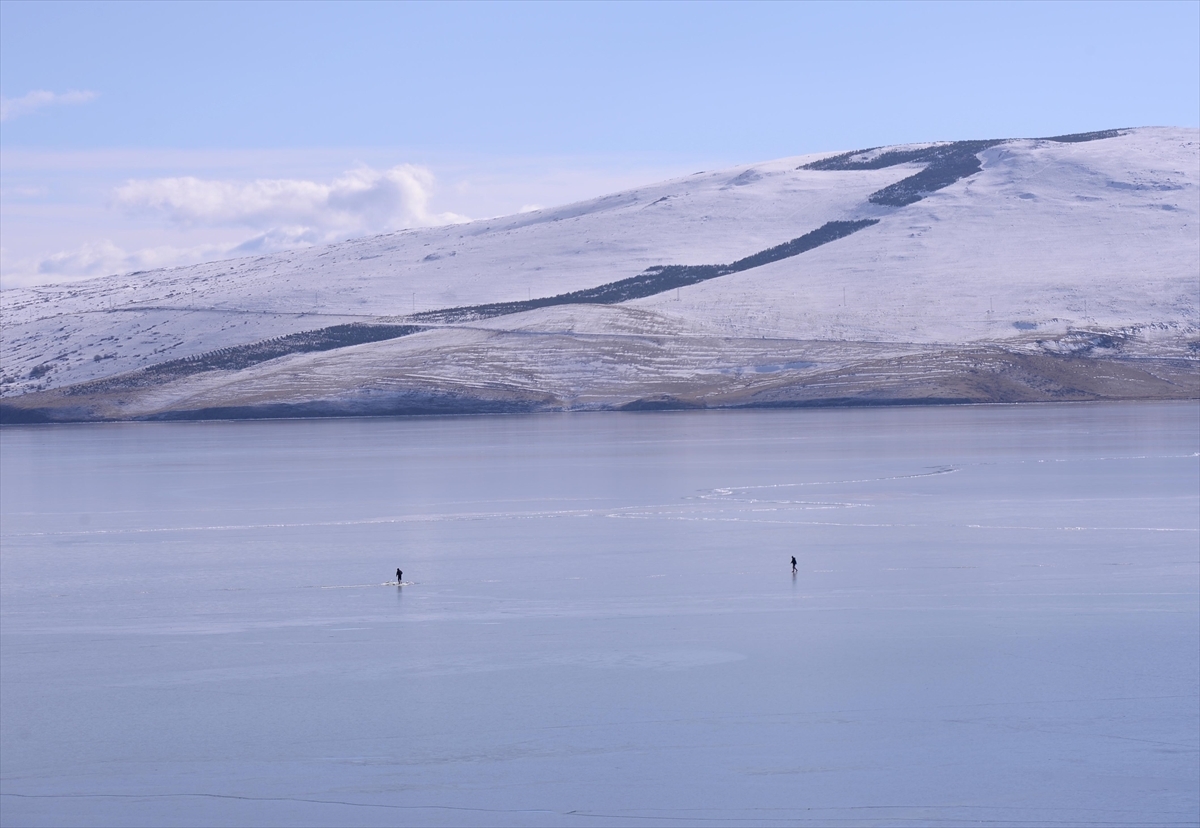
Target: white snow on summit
[(1048, 236)]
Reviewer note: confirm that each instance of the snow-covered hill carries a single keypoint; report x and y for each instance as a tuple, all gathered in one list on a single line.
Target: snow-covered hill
[(1061, 268)]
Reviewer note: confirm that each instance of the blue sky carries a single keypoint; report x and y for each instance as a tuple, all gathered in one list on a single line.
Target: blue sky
[(479, 109)]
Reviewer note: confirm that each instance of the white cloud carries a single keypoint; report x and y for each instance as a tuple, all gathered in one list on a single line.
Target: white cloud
[(102, 259), (293, 211), (16, 107), (281, 213), (88, 260)]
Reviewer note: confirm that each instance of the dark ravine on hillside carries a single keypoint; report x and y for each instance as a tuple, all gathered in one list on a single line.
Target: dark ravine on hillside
[(654, 280), (243, 356), (945, 164)]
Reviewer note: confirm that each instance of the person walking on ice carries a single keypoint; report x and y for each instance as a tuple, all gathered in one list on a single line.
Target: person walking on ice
[(793, 565), (399, 576)]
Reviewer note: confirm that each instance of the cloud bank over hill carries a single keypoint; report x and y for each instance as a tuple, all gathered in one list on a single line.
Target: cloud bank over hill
[(281, 213), (360, 202), (105, 257)]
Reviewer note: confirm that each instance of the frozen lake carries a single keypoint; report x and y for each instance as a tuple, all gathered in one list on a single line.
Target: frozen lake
[(996, 619)]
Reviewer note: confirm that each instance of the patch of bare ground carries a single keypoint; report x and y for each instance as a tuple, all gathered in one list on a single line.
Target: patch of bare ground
[(501, 372), (985, 376)]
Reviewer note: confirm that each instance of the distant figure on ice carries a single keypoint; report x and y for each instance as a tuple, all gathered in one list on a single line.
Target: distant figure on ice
[(399, 576), (793, 565)]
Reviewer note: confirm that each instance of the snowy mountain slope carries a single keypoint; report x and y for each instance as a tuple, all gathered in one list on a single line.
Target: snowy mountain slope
[(1023, 269), (142, 318), (1057, 236)]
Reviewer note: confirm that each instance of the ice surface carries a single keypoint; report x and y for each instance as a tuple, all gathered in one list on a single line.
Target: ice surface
[(996, 619)]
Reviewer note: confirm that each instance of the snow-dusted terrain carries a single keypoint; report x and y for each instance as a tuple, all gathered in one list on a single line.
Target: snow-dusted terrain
[(1061, 269)]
